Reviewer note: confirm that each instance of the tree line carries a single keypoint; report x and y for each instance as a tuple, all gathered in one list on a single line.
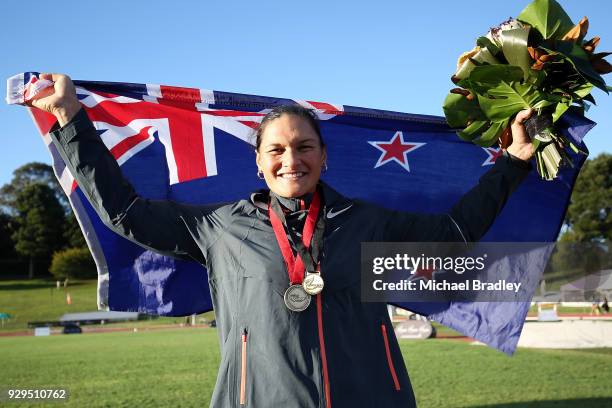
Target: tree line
[(38, 227), (585, 245)]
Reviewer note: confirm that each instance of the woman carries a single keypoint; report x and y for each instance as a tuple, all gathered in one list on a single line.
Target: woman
[(270, 256)]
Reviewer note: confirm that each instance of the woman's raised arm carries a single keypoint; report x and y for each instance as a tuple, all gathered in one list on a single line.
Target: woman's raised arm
[(173, 229), (472, 216)]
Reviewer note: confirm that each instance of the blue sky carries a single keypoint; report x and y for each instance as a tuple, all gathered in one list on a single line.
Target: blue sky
[(395, 55)]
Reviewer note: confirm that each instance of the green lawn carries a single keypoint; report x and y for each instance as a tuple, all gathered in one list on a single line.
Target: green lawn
[(177, 368), (533, 310), (40, 300)]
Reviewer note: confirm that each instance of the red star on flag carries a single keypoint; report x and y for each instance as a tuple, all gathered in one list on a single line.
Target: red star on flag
[(395, 150), (493, 154)]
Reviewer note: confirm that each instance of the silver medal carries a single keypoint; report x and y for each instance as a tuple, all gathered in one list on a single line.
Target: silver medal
[(313, 283), (296, 298)]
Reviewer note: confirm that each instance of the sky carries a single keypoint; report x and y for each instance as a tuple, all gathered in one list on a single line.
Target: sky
[(394, 55)]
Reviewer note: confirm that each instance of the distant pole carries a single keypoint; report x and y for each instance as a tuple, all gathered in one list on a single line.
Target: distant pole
[(31, 268)]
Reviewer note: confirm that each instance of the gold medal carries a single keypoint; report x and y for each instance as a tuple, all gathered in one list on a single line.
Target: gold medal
[(313, 283), (296, 298)]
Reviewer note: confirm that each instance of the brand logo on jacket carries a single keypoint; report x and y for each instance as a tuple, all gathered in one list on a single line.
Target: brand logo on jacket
[(332, 213)]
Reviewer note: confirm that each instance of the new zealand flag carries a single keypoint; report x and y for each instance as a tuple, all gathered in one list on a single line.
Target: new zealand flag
[(196, 146)]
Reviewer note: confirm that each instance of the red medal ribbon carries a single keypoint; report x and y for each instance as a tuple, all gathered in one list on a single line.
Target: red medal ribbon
[(295, 265)]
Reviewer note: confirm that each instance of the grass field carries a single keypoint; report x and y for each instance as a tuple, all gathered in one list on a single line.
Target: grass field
[(41, 300), (177, 368)]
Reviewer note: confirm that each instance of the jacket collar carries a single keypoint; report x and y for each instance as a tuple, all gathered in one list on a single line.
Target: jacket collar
[(332, 198)]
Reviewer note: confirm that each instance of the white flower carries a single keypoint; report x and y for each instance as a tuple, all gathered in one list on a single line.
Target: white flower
[(465, 64), (495, 33)]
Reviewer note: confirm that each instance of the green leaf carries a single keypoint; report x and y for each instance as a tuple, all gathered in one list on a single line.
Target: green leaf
[(471, 132), (490, 136), (556, 96), (459, 110), (484, 42), (494, 74), (484, 77), (543, 103), (583, 90), (475, 87), (514, 47), (559, 110), (580, 93), (536, 78), (580, 60), (548, 17), (589, 98), (507, 99), (578, 109), (535, 143)]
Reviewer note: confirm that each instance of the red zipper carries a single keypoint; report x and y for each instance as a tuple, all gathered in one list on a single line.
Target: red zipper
[(389, 359), (243, 369), (323, 354)]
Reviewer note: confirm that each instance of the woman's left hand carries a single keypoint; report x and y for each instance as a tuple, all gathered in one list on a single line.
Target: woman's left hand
[(521, 146)]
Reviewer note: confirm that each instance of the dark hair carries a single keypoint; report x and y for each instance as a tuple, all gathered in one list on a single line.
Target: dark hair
[(296, 110)]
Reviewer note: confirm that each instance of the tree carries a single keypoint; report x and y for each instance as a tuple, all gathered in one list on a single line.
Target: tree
[(74, 263), (585, 246), (580, 257), (41, 173), (73, 236), (7, 248), (589, 215), (40, 223), (31, 173)]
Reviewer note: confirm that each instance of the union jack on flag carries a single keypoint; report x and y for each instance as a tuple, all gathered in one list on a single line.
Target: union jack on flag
[(196, 146)]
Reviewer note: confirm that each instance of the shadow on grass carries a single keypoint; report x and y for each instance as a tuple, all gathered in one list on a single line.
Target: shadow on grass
[(603, 351), (25, 285), (603, 402)]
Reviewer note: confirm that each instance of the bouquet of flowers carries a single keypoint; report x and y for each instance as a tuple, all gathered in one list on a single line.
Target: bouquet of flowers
[(540, 60)]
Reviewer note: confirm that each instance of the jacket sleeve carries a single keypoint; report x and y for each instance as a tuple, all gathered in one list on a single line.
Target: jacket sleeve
[(166, 227), (471, 217)]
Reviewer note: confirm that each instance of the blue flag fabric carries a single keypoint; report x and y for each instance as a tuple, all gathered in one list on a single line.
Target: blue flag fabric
[(195, 146)]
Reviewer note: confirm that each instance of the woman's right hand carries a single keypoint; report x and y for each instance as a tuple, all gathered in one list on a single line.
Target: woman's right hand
[(60, 101)]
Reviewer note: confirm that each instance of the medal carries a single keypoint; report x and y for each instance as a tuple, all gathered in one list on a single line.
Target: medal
[(313, 283), (296, 298)]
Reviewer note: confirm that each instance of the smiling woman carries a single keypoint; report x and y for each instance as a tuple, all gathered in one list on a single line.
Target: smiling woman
[(272, 255), (290, 151)]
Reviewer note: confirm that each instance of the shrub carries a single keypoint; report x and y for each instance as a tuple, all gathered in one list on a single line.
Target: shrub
[(75, 263)]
